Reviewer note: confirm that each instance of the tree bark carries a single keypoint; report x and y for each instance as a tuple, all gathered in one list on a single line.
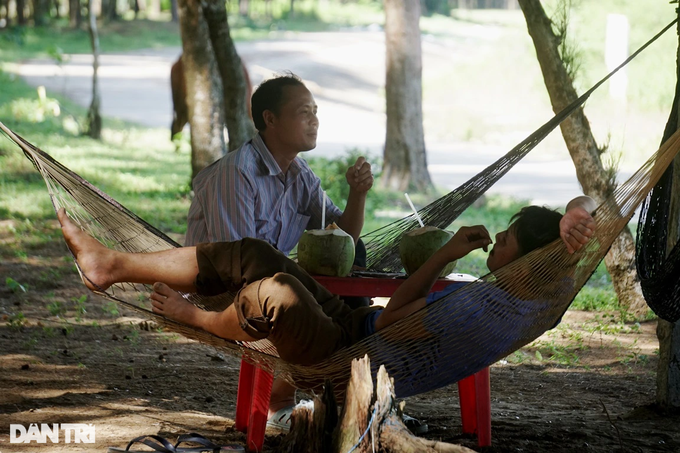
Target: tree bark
[(310, 429), (312, 425), (405, 161), (94, 119), (240, 127), (204, 87), (585, 153)]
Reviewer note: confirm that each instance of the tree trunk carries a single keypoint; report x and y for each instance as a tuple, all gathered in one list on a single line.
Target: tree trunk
[(173, 11), (40, 10), (140, 6), (154, 9), (94, 119), (111, 8), (405, 162), (4, 6), (311, 429), (204, 87), (240, 127), (21, 18), (668, 369), (243, 7), (74, 14), (584, 151)]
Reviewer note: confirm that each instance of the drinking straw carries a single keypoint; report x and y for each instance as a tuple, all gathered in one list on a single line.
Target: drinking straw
[(323, 211), (414, 210)]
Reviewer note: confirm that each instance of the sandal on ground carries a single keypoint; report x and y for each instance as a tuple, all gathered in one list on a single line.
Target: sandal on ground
[(414, 425), (281, 419), (156, 443), (159, 444), (207, 446)]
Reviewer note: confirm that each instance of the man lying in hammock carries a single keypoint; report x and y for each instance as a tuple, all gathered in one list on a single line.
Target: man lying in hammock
[(279, 301)]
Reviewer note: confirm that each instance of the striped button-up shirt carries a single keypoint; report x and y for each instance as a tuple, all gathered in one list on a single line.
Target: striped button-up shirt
[(245, 194)]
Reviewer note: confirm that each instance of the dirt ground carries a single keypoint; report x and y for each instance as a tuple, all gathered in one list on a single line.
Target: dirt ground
[(67, 356)]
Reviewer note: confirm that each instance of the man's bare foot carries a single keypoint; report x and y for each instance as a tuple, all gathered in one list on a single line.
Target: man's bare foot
[(168, 302), (94, 259)]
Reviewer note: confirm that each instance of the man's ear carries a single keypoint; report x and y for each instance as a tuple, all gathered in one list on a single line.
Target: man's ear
[(269, 118)]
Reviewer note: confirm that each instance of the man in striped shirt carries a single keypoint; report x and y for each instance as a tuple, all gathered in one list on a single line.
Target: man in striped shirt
[(264, 190)]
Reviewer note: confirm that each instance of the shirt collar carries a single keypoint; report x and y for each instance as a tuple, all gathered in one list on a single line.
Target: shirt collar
[(272, 167)]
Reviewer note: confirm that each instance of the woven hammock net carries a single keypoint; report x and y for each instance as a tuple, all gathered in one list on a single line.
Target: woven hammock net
[(657, 248), (448, 340)]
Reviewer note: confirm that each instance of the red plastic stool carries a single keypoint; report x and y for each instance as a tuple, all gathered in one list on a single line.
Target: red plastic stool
[(475, 406), (252, 404), (255, 389)]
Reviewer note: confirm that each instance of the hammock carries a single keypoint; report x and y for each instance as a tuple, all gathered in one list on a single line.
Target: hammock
[(448, 340), (657, 266)]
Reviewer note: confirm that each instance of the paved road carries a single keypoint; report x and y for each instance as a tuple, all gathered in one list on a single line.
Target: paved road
[(344, 70)]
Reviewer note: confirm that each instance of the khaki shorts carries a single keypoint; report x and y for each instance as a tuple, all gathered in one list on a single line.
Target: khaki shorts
[(278, 300)]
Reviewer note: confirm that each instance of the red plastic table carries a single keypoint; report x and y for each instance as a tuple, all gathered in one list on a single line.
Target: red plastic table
[(255, 384)]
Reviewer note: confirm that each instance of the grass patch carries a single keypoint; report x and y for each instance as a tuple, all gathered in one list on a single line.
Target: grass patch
[(57, 39)]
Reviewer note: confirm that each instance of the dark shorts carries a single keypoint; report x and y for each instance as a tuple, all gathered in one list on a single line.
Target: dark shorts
[(278, 300)]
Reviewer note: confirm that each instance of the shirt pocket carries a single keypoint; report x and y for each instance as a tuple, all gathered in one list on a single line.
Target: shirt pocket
[(290, 235)]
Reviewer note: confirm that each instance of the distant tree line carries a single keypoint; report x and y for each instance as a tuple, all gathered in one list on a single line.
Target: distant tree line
[(40, 12)]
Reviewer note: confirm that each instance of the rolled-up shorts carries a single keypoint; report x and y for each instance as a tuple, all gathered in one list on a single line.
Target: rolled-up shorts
[(276, 299)]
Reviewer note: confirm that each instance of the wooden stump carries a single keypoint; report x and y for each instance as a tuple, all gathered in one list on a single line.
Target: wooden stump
[(374, 415)]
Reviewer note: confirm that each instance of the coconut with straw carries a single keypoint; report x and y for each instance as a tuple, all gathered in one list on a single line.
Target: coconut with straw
[(327, 251), (417, 246)]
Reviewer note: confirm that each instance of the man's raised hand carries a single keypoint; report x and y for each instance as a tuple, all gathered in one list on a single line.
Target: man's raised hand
[(359, 176)]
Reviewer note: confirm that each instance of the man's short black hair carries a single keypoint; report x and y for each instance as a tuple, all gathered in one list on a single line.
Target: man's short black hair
[(534, 227), (269, 96)]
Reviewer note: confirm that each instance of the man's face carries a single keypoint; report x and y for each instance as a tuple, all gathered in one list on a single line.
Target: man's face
[(296, 123), (504, 251)]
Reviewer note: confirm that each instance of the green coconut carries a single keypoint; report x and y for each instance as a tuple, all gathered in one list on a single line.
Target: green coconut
[(417, 246), (326, 252)]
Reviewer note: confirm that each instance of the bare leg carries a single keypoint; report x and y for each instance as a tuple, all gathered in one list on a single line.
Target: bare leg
[(224, 324), (104, 267)]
